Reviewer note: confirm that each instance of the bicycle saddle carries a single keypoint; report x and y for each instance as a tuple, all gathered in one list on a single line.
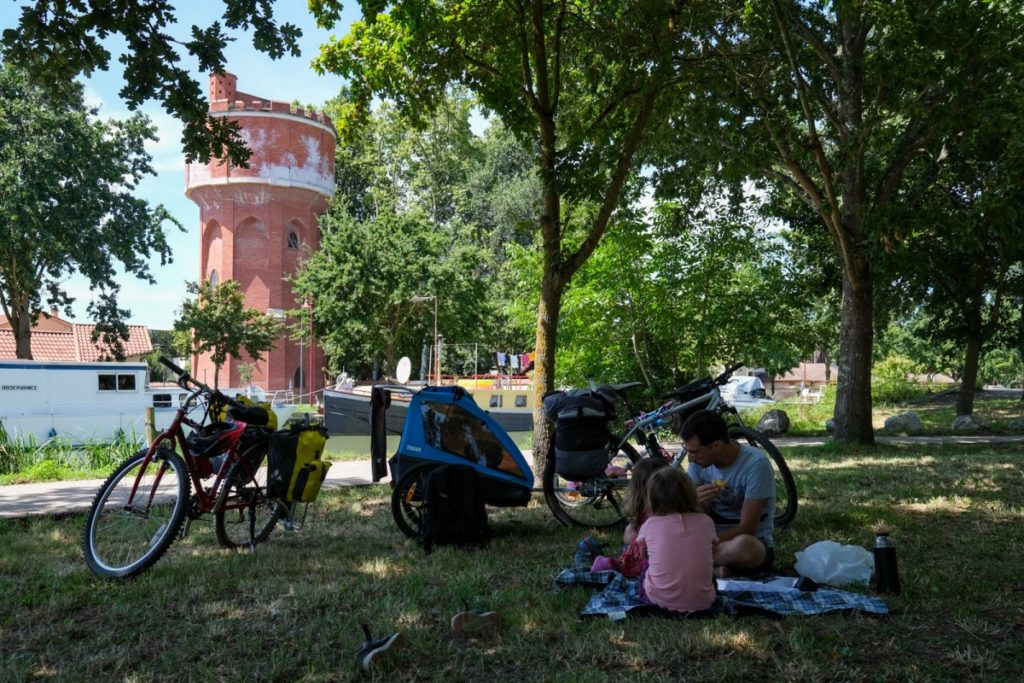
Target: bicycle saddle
[(251, 415), (623, 388)]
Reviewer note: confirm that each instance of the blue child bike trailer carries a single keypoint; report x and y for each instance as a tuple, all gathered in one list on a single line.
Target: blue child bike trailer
[(445, 426)]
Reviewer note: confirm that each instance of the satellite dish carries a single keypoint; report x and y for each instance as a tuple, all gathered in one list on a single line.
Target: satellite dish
[(403, 370)]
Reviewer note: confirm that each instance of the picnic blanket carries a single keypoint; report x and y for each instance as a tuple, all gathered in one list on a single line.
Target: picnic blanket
[(617, 597)]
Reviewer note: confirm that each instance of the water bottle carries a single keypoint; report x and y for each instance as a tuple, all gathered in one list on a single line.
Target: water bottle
[(887, 577)]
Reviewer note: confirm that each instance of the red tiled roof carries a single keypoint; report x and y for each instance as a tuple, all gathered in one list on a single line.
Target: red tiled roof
[(137, 344), (76, 345)]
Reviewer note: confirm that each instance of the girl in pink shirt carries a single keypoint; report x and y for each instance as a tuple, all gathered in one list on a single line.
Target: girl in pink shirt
[(630, 563), (678, 540)]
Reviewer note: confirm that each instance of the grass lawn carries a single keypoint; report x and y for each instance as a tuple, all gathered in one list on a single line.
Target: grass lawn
[(290, 611), (935, 410)]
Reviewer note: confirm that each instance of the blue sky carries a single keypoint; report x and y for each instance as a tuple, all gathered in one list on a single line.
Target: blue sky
[(287, 79)]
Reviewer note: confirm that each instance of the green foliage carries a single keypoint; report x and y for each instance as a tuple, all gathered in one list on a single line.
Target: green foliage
[(394, 163), (245, 371), (166, 343), (910, 336), (1004, 367), (665, 303), (59, 41), (67, 206), (833, 103), (223, 326), (582, 83), (891, 380), (363, 280), (24, 460)]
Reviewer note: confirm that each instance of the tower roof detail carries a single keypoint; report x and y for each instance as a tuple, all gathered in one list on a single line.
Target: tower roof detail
[(291, 147)]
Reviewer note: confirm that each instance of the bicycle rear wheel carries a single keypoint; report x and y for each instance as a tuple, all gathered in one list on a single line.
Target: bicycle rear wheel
[(597, 503), (136, 514), (244, 492), (785, 486)]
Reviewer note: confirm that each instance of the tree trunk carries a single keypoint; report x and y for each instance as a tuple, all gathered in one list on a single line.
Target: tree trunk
[(972, 355), (21, 323), (544, 371), (853, 392)]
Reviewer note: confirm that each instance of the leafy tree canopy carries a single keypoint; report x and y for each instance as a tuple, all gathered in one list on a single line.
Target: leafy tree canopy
[(580, 81), (220, 324), (365, 276), (834, 101), (57, 40), (67, 205), (664, 299)]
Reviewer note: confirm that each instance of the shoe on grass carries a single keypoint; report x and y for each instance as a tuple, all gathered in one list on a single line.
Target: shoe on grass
[(475, 621), (590, 545), (373, 648)]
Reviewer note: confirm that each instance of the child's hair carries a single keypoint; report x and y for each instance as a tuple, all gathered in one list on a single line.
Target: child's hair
[(669, 490), (636, 499)]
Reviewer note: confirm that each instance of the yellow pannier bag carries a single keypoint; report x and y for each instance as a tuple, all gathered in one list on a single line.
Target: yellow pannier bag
[(296, 470)]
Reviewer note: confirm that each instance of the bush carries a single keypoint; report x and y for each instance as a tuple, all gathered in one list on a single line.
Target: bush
[(890, 380)]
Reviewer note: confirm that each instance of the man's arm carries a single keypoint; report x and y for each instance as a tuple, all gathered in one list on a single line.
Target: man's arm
[(750, 515)]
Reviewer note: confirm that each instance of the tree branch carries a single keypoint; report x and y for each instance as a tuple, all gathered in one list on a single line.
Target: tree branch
[(843, 240), (611, 196), (524, 53), (559, 27)]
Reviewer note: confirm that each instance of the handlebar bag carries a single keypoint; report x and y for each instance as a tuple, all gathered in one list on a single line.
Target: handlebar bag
[(581, 418), (296, 471)]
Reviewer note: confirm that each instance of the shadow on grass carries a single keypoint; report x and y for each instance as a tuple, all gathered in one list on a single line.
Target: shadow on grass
[(290, 611)]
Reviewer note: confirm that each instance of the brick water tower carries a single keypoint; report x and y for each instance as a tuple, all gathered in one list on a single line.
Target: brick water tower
[(258, 223)]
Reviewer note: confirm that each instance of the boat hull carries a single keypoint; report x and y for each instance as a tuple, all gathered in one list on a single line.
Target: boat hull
[(348, 414)]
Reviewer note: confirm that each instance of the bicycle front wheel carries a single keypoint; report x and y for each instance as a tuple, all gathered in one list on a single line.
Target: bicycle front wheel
[(597, 503), (136, 514), (245, 515), (785, 487)]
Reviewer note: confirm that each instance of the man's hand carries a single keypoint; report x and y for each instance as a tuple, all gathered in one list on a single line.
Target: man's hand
[(706, 493)]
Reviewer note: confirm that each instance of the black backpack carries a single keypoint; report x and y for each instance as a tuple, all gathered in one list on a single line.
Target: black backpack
[(454, 512), (581, 418)]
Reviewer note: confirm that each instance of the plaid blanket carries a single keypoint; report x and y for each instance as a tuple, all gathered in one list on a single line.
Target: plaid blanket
[(619, 597)]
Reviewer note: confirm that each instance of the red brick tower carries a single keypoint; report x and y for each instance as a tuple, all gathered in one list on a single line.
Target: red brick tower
[(258, 223)]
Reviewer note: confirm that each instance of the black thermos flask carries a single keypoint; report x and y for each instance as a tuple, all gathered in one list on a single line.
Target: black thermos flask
[(887, 576)]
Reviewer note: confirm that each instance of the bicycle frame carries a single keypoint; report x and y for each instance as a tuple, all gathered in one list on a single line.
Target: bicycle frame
[(205, 496), (644, 426)]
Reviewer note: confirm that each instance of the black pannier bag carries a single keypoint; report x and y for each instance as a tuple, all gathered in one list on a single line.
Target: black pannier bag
[(454, 512), (581, 418)]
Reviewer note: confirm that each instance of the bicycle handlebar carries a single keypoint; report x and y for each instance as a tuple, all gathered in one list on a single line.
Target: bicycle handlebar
[(724, 377), (170, 365), (184, 379), (702, 385)]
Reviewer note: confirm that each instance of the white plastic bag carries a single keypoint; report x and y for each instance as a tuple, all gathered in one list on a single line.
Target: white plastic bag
[(834, 564)]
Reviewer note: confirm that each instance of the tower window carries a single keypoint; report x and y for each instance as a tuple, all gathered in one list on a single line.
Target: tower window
[(214, 279), (293, 240)]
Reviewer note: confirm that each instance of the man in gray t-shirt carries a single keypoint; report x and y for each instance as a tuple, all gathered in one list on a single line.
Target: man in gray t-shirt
[(736, 486)]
